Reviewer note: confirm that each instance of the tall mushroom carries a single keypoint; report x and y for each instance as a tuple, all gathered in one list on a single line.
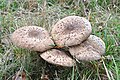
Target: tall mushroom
[(91, 49), (58, 57), (71, 30), (32, 37)]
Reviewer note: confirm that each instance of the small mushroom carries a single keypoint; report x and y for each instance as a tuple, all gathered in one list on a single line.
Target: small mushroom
[(58, 57), (71, 30), (91, 49), (32, 37)]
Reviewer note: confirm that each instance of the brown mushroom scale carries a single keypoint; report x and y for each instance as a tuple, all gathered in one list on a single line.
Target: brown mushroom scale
[(71, 30), (32, 37), (34, 33)]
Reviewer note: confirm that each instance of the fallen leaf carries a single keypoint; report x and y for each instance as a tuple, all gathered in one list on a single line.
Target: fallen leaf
[(20, 75)]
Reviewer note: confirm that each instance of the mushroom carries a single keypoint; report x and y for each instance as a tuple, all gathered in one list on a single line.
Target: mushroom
[(58, 57), (89, 50), (33, 38), (71, 30)]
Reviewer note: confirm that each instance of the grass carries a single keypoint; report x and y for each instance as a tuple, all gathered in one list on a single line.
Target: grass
[(104, 16)]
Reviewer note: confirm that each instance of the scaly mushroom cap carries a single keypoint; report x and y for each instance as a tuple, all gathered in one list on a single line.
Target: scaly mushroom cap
[(58, 57), (32, 37), (91, 49), (71, 30)]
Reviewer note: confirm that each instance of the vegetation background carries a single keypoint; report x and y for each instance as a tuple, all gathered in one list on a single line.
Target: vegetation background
[(104, 16)]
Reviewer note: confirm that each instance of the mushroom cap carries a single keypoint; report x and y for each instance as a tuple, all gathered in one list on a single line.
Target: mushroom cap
[(91, 49), (32, 37), (58, 57), (71, 30)]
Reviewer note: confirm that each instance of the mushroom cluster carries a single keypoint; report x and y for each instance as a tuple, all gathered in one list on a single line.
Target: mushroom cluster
[(72, 32)]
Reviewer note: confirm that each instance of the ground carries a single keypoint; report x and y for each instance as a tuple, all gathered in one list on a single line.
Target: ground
[(104, 16)]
